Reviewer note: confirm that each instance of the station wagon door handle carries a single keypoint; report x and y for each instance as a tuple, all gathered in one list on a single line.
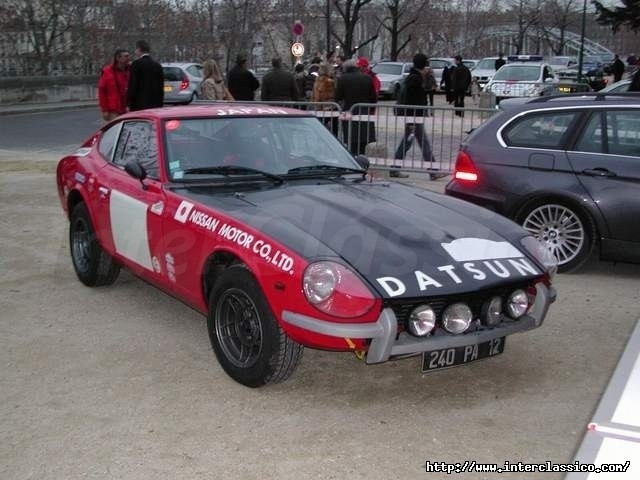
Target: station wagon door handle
[(599, 172)]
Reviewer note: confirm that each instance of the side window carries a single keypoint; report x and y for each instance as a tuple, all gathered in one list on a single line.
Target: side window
[(195, 70), (138, 143), (108, 142), (623, 132), (591, 138), (540, 130)]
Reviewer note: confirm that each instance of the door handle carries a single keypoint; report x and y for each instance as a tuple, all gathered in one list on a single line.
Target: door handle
[(104, 191), (599, 172)]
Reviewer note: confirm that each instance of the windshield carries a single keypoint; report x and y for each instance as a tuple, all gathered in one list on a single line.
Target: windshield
[(486, 64), (388, 69), (274, 145), (525, 73)]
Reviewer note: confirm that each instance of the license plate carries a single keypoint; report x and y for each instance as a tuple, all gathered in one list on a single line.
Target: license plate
[(451, 357), (167, 88)]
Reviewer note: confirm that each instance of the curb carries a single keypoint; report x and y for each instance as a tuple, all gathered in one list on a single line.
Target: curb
[(44, 107)]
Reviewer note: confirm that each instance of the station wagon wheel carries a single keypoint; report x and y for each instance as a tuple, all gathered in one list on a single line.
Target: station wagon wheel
[(93, 266), (567, 231), (245, 336)]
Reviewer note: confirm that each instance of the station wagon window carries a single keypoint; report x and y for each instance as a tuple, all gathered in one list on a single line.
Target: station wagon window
[(137, 143), (622, 128), (540, 130)]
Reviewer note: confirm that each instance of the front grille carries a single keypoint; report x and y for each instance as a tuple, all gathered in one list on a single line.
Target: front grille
[(403, 308)]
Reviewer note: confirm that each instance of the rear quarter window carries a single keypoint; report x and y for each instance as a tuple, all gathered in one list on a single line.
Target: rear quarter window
[(540, 130), (172, 74)]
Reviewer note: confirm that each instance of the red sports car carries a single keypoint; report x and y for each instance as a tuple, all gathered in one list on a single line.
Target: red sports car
[(259, 218)]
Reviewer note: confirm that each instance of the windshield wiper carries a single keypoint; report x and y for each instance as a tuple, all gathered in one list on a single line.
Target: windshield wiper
[(227, 170), (325, 169)]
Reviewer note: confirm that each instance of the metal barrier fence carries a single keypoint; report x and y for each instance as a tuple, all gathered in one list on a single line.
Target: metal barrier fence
[(408, 137)]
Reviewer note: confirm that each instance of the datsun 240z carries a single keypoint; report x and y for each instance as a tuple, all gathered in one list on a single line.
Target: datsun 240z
[(257, 217)]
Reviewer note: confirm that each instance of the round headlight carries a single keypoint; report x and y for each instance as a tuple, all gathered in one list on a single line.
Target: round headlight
[(422, 321), (517, 304), (319, 281), (492, 312), (457, 318)]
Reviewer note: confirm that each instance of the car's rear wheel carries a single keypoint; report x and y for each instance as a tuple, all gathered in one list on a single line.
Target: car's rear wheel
[(567, 231), (245, 336), (93, 266)]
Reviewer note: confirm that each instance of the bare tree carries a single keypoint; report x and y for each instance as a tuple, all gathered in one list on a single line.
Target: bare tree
[(401, 16), (350, 12), (563, 16), (526, 15)]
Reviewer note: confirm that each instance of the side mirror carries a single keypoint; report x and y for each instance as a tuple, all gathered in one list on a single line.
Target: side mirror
[(136, 171), (363, 162)]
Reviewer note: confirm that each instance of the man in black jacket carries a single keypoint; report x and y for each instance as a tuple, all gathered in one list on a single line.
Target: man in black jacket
[(460, 82), (278, 84), (617, 68), (353, 87), (242, 83), (146, 80), (413, 93)]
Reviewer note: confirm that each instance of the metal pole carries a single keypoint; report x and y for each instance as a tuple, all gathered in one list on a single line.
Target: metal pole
[(328, 12), (584, 18)]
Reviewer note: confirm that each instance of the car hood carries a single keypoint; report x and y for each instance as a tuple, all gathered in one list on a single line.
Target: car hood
[(387, 77), (404, 241)]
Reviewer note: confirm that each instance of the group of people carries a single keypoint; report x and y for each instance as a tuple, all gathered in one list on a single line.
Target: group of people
[(129, 86)]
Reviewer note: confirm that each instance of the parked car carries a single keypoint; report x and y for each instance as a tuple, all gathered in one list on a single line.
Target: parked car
[(260, 219), (617, 87), (559, 62), (521, 78), (484, 70), (470, 63), (181, 82), (391, 76), (549, 165)]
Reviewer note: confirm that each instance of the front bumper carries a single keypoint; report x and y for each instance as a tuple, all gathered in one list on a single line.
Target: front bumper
[(387, 343)]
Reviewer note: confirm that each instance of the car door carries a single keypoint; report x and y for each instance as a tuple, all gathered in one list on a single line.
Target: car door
[(132, 208), (606, 159)]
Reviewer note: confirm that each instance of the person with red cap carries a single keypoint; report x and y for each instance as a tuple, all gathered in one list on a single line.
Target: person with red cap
[(363, 65)]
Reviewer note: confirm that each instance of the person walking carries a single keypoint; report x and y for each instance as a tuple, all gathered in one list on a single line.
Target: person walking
[(445, 83), (212, 86), (242, 83), (460, 82), (353, 87), (429, 84), (146, 80), (499, 62), (617, 68), (278, 84), (113, 85), (414, 94)]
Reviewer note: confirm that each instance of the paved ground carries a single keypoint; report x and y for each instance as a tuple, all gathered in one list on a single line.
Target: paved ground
[(120, 382)]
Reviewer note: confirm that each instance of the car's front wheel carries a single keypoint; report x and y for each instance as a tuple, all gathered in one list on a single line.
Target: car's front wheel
[(93, 266), (245, 336), (567, 231)]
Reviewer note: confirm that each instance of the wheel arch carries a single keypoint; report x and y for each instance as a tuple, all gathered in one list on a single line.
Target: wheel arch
[(583, 205), (217, 262), (73, 199)]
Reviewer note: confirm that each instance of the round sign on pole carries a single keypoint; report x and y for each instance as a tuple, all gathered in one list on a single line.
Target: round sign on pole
[(297, 49), (298, 28)]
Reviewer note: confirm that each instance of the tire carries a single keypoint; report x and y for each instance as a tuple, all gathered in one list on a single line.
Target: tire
[(567, 231), (93, 266), (396, 92), (245, 336)]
